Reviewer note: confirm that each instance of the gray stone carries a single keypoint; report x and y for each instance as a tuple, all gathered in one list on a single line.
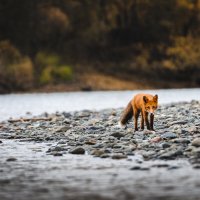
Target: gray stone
[(181, 141), (90, 142), (77, 150), (171, 154), (98, 153), (168, 135), (105, 155), (11, 159), (181, 122), (98, 145), (161, 165), (165, 145), (139, 168), (57, 154), (57, 148), (119, 156), (117, 135), (196, 142)]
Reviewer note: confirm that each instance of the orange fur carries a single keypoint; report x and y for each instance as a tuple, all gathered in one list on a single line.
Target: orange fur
[(144, 104)]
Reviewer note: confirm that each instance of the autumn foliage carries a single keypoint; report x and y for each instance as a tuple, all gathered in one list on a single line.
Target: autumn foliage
[(49, 41)]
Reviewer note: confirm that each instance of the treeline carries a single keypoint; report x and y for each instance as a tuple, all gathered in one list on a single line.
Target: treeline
[(48, 41)]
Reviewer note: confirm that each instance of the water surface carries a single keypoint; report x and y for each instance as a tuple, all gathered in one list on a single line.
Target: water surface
[(16, 105)]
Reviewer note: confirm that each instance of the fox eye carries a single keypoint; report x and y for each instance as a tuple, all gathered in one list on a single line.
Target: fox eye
[(148, 107)]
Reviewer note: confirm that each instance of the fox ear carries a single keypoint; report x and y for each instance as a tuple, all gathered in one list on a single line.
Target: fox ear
[(155, 98), (145, 99)]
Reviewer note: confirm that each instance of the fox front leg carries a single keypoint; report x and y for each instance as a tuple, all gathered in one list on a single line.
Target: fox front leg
[(136, 115), (146, 120), (142, 121), (151, 121)]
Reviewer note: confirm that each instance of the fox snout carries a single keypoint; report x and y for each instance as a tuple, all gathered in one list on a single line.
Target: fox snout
[(151, 112)]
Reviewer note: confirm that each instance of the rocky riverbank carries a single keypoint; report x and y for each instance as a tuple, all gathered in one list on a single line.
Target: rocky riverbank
[(98, 141)]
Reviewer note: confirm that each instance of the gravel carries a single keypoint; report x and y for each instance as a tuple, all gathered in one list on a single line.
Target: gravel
[(96, 137)]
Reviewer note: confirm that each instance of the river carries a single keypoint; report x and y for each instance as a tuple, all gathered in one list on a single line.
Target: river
[(17, 105)]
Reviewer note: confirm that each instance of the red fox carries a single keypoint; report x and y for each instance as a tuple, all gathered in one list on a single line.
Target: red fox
[(144, 103)]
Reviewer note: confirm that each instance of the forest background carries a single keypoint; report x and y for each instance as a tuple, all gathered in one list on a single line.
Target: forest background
[(68, 45)]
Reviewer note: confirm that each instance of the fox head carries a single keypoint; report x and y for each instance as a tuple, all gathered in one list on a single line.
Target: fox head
[(150, 105)]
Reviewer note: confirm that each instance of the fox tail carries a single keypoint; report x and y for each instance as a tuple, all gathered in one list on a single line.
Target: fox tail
[(127, 115)]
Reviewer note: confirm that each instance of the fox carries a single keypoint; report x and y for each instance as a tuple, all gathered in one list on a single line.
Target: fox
[(141, 103)]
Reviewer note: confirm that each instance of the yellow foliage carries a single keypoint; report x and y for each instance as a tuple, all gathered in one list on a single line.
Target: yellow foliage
[(44, 59), (185, 52), (46, 76), (14, 66)]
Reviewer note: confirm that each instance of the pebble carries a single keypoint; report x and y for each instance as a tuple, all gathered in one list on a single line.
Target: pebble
[(77, 150), (97, 153), (156, 139), (161, 165), (57, 154), (165, 145), (196, 142), (90, 142), (171, 154), (140, 168), (105, 155), (173, 167), (177, 134), (197, 166), (181, 140), (169, 135), (11, 159), (119, 156), (117, 135)]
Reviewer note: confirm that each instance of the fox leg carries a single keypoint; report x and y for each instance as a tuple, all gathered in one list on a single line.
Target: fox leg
[(142, 121), (146, 120), (136, 115), (151, 121)]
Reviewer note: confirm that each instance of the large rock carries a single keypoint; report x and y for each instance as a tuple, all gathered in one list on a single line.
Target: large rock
[(77, 150), (196, 142), (117, 135)]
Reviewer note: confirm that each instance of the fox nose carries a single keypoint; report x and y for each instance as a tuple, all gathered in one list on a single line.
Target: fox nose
[(151, 112)]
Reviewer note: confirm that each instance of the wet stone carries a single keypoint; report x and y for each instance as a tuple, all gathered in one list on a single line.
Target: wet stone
[(173, 167), (77, 150), (119, 156), (181, 140), (164, 165), (140, 168), (98, 146), (90, 142), (180, 122), (117, 135), (57, 154), (196, 166), (11, 159), (97, 153), (105, 155), (171, 154), (57, 148), (165, 145), (196, 142), (156, 139), (169, 135)]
